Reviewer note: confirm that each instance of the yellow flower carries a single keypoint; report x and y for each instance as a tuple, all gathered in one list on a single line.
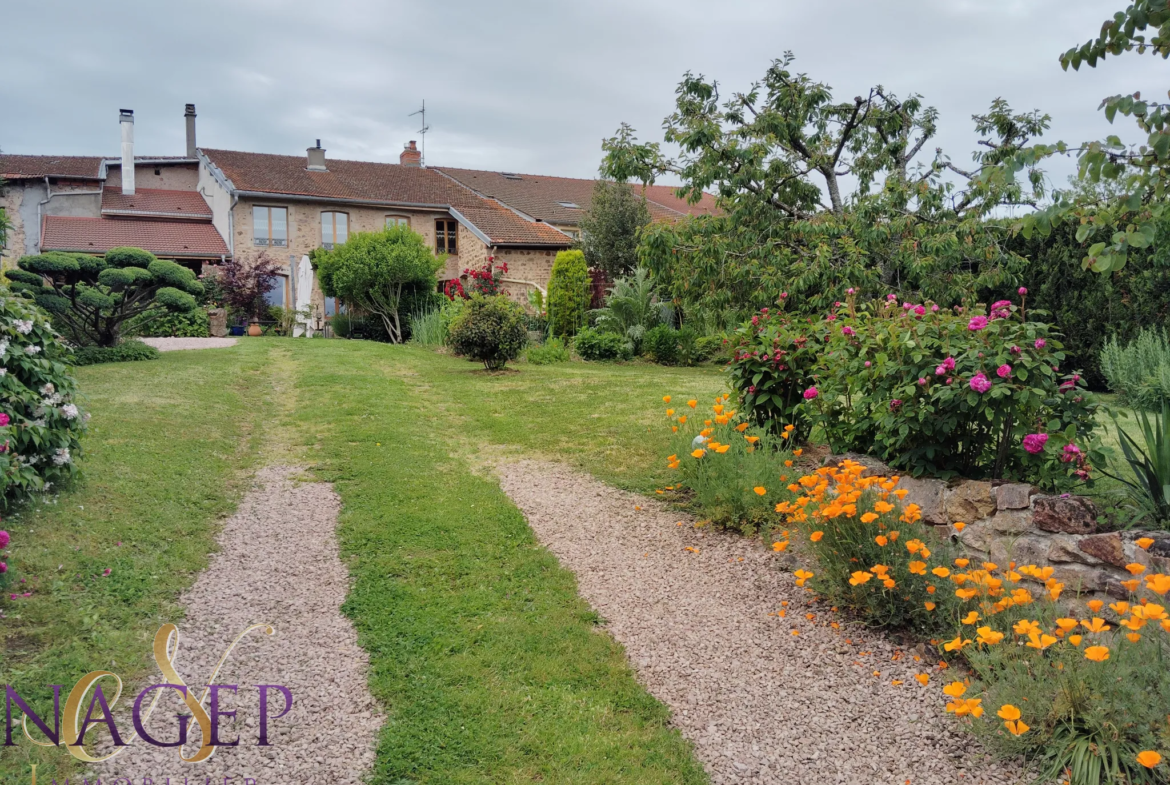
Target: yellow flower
[(955, 645), (1096, 625), (1097, 653), (1075, 640), (1144, 543), (722, 448), (955, 689), (1025, 627), (816, 536), (788, 463), (941, 572), (760, 490), (752, 439), (1149, 759), (971, 617), (1066, 625), (1008, 712), (1041, 642), (692, 403), (869, 517), (802, 576), (966, 594), (698, 453), (988, 635), (859, 578)]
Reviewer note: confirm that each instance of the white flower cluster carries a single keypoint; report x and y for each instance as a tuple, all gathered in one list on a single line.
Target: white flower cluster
[(32, 349), (69, 411), (61, 457), (23, 326)]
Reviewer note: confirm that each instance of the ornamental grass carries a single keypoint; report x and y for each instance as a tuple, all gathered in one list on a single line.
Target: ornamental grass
[(1083, 695)]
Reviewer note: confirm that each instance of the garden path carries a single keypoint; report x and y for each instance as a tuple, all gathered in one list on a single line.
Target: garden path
[(175, 344), (765, 698), (278, 564)]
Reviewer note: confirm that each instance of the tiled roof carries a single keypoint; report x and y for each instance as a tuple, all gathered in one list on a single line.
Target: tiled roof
[(155, 202), (24, 167), (367, 181), (162, 238), (547, 198)]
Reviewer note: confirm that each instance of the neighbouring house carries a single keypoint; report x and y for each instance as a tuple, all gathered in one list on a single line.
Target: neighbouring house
[(210, 204)]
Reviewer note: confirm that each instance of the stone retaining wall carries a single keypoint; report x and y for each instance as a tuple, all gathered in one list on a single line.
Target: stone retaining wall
[(1013, 522)]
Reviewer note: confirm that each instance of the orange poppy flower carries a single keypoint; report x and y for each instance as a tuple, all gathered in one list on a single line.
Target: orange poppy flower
[(779, 546), (1149, 759), (1097, 653), (1075, 640), (760, 490), (698, 453), (1135, 568), (859, 578), (666, 399), (1041, 642), (1144, 543), (962, 563), (959, 526), (692, 403), (971, 617), (869, 517), (683, 419), (917, 568)]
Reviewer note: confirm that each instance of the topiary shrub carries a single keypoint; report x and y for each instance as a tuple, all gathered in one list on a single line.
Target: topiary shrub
[(661, 344), (489, 329), (93, 298), (569, 293), (127, 351), (40, 425), (596, 345)]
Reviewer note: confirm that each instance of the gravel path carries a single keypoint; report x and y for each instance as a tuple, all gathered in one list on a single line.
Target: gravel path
[(278, 564), (175, 344), (760, 703)]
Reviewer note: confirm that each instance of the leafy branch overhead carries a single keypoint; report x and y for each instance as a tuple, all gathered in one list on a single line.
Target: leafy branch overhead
[(819, 194), (92, 297)]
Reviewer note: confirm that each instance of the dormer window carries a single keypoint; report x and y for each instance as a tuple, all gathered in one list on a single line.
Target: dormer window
[(570, 205)]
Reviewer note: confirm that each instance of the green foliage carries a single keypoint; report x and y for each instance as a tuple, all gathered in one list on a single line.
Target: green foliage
[(596, 345), (193, 324), (1139, 372), (776, 156), (668, 346), (631, 308), (1150, 487), (722, 482), (127, 351), (773, 361), (551, 351), (42, 424), (341, 324), (426, 328), (377, 271), (609, 230), (93, 300), (569, 293), (449, 311), (944, 393), (490, 329)]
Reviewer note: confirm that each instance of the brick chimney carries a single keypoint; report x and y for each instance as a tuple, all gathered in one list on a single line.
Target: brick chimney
[(126, 121), (189, 114), (316, 158), (410, 155)]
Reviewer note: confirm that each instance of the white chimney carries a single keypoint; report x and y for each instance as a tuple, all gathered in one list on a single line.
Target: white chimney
[(126, 118)]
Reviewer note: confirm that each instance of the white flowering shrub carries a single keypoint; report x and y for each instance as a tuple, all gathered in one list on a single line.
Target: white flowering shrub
[(40, 424)]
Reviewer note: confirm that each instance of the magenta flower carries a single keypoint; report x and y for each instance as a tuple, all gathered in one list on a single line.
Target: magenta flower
[(940, 371), (977, 323), (907, 306), (4, 539), (894, 404), (810, 393), (1034, 442), (980, 383), (1015, 350), (934, 309), (945, 366), (921, 380), (891, 297), (995, 306), (1021, 291), (783, 295), (106, 572), (867, 363), (3, 567), (4, 419), (1003, 371), (920, 310), (850, 290), (1040, 343), (832, 317), (847, 330)]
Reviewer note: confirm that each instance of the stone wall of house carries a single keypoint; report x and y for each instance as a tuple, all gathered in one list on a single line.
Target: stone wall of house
[(169, 177), (11, 198), (1013, 522), (526, 266)]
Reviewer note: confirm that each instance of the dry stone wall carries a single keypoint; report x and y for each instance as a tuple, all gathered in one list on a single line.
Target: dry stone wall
[(1014, 522)]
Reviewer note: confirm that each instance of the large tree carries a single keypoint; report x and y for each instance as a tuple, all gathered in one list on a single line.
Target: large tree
[(609, 231), (1126, 213), (375, 271), (819, 195), (92, 297)]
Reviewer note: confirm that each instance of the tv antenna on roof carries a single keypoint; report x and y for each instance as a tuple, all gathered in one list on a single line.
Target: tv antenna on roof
[(422, 132)]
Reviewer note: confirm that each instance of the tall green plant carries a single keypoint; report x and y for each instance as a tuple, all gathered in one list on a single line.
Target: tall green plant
[(1139, 372), (1150, 486), (569, 292), (609, 231), (632, 307)]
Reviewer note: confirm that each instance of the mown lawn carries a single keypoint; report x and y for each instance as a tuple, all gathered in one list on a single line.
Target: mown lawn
[(489, 666)]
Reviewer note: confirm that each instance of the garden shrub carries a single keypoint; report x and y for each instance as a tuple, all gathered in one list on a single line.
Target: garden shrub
[(736, 477), (1139, 371), (127, 351), (449, 311), (569, 293), (551, 351), (426, 328), (596, 345), (341, 324), (774, 357), (954, 392), (632, 308), (193, 324), (661, 344), (40, 425), (490, 329)]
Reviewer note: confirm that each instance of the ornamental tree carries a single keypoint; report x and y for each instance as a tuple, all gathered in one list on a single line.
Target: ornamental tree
[(609, 231), (569, 293), (92, 297), (779, 155), (377, 271), (243, 283)]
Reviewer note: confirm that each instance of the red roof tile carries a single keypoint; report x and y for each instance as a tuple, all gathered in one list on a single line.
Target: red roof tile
[(162, 238), (24, 167), (549, 198), (155, 202), (368, 181)]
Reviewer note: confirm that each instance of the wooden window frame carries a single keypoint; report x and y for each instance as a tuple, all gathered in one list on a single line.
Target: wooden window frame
[(329, 244), (449, 232), (388, 216), (268, 240)]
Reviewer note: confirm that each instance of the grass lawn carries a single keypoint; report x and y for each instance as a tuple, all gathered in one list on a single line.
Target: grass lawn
[(489, 666)]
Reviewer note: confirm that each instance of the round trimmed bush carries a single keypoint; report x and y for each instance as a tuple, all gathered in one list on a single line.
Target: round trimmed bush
[(489, 329), (597, 345), (40, 425)]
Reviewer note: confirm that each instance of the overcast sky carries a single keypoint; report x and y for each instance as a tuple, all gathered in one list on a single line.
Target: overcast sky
[(516, 86)]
